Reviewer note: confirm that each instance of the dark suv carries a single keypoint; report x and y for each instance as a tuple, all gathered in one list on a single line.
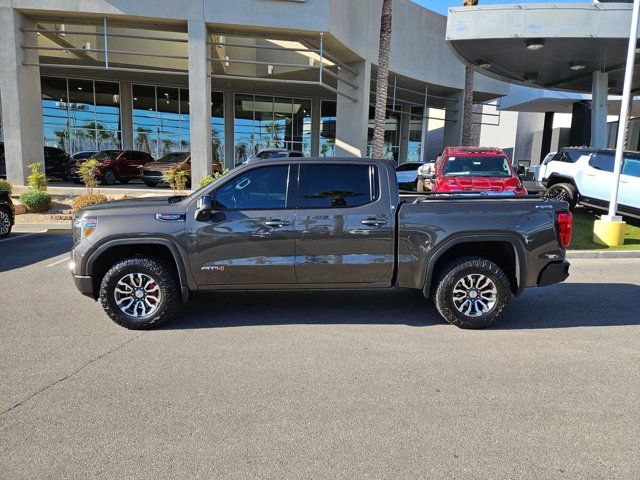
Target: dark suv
[(7, 214), (55, 162), (3, 166), (113, 165)]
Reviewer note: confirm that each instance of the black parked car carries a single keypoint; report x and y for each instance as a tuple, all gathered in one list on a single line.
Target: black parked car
[(55, 162), (7, 214), (3, 166)]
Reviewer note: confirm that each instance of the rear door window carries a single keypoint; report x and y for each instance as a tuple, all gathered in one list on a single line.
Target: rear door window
[(337, 186), (631, 167)]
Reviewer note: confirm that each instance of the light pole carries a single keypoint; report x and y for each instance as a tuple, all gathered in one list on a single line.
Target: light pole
[(610, 229)]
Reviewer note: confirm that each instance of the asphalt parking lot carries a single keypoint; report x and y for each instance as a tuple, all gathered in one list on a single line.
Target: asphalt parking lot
[(317, 385)]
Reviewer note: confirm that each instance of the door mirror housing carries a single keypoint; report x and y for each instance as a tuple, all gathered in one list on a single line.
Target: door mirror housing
[(204, 209)]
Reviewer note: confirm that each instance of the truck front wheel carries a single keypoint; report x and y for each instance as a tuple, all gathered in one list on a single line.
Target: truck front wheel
[(139, 293), (472, 292)]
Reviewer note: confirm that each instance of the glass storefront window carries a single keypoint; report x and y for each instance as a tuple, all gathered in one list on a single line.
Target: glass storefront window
[(271, 122), (391, 134), (80, 114), (161, 121), (328, 128), (217, 126), (417, 124)]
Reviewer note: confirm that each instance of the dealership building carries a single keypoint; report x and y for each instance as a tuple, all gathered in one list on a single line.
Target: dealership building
[(224, 79)]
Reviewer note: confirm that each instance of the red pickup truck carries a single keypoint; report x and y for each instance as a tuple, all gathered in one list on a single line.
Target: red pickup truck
[(474, 169)]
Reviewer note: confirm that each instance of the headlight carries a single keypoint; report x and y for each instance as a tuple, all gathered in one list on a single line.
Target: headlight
[(83, 227)]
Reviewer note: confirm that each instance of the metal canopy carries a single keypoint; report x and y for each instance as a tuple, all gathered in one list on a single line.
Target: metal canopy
[(554, 46)]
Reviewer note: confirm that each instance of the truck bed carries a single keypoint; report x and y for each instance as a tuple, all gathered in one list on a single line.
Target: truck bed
[(521, 228)]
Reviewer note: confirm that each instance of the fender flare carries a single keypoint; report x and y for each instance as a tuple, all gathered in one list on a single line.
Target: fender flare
[(183, 275), (516, 243)]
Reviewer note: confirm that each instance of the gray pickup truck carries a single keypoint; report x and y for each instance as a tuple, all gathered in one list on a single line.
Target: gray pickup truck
[(299, 224)]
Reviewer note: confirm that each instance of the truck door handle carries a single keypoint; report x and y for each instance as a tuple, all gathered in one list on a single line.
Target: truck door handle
[(374, 222), (277, 223)]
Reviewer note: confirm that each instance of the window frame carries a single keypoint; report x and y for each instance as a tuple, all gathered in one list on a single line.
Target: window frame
[(291, 191), (374, 185)]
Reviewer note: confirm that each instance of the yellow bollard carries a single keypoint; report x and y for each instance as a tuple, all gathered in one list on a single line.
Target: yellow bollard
[(609, 232)]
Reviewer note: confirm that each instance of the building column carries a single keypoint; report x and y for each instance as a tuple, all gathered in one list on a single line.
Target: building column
[(21, 96), (229, 132), (352, 114), (453, 120), (126, 115), (405, 124), (199, 102), (315, 126), (547, 131), (599, 110)]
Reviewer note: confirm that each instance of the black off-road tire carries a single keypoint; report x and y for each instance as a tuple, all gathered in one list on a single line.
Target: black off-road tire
[(458, 269), (5, 223), (564, 191), (161, 274)]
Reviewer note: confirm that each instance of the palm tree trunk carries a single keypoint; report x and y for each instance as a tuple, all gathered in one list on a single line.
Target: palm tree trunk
[(467, 109), (382, 80)]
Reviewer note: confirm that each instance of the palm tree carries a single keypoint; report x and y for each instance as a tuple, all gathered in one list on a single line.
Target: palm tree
[(467, 109), (382, 79)]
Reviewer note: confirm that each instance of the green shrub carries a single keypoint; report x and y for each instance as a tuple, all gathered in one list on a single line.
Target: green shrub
[(37, 180), (88, 172), (210, 178), (206, 181), (176, 178), (5, 186), (36, 201), (86, 200)]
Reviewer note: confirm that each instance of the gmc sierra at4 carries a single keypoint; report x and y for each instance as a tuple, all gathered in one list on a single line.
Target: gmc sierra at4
[(299, 224)]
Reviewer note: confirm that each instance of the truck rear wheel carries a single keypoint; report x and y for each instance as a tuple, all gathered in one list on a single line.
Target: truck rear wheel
[(472, 292), (139, 293)]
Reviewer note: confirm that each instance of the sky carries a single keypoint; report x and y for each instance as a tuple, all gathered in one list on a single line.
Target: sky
[(441, 6)]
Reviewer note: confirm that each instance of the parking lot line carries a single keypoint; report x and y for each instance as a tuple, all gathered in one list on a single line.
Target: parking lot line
[(58, 262), (16, 236)]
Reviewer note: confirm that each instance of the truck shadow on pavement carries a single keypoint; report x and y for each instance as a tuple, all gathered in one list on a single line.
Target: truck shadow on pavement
[(559, 306), (24, 249)]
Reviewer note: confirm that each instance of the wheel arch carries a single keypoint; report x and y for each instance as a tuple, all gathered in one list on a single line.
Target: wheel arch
[(506, 250), (556, 178), (108, 253)]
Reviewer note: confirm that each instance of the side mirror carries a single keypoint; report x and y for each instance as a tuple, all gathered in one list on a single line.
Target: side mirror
[(204, 209)]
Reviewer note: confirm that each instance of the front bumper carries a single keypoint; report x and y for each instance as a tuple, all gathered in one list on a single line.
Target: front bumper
[(84, 284), (554, 272)]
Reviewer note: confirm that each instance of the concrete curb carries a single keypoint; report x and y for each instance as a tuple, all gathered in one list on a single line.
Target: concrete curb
[(594, 254), (42, 228)]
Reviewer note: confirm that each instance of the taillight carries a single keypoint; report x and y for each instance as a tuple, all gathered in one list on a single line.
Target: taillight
[(564, 228)]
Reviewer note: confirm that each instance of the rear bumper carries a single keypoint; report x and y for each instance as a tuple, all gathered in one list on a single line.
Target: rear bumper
[(555, 272)]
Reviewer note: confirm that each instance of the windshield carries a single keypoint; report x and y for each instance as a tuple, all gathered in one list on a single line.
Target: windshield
[(106, 154), (477, 166), (174, 157), (407, 167), (264, 155)]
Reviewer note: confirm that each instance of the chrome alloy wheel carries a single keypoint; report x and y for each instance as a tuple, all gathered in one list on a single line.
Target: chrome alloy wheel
[(475, 295), (137, 295), (5, 223)]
